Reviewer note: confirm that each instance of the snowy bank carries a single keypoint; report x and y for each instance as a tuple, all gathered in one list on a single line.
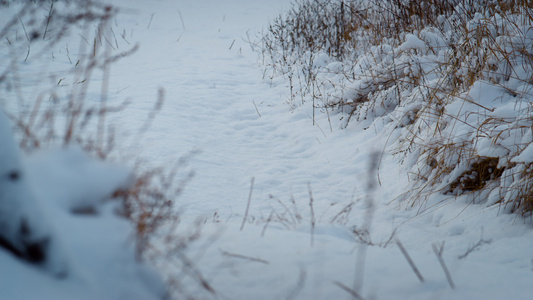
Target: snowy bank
[(56, 216)]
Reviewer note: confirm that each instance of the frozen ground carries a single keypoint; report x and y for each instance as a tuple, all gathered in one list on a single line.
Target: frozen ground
[(217, 102)]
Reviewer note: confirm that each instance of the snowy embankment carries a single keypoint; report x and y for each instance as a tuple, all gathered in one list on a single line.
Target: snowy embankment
[(322, 222)]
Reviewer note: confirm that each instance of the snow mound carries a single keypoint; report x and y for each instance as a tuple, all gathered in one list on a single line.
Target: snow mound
[(60, 235)]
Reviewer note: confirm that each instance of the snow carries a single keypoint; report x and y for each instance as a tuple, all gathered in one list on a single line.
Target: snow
[(24, 228), (86, 256), (412, 42), (90, 186), (525, 156), (244, 126)]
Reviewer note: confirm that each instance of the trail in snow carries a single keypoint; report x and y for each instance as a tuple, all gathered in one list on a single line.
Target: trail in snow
[(212, 93)]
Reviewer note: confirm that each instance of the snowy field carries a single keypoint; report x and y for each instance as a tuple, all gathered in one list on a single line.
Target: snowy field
[(320, 217)]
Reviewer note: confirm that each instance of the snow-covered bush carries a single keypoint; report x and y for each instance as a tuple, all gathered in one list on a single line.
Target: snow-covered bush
[(453, 76)]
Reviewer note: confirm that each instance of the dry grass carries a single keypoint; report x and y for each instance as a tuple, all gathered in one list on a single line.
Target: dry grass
[(377, 59), (66, 113)]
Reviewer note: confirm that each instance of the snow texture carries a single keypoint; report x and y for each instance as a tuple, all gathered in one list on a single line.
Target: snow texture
[(412, 42), (218, 101)]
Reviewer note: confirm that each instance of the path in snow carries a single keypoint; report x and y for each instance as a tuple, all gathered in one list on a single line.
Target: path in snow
[(210, 94)]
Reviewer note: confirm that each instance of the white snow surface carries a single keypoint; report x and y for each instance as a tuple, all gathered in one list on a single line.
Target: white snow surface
[(92, 255), (412, 42), (217, 102)]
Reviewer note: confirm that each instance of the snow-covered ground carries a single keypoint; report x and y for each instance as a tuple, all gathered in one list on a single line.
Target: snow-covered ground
[(217, 102)]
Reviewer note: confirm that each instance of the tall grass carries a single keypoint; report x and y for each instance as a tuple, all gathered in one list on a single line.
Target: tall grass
[(453, 75)]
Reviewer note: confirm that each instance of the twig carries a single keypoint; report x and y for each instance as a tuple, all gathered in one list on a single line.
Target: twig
[(114, 36), (409, 260), (101, 132), (193, 271), (68, 55), (245, 257), (480, 243), (48, 19), (27, 54), (267, 222), (390, 238), (329, 120), (314, 97), (312, 215), (25, 32), (438, 253), (367, 222), (293, 217), (299, 286), (345, 211), (150, 22), (248, 204), (181, 18), (349, 290), (231, 46), (257, 110), (151, 116)]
